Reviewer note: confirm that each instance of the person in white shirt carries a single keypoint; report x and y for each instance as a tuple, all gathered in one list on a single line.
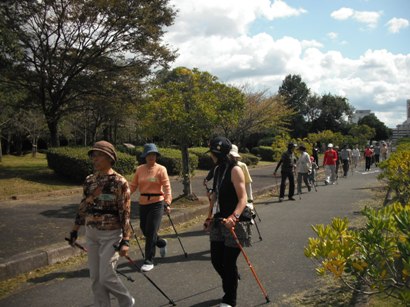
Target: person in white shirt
[(303, 168), (356, 155)]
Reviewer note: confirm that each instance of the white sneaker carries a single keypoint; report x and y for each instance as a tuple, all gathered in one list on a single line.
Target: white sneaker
[(146, 267), (163, 250), (132, 301), (224, 305)]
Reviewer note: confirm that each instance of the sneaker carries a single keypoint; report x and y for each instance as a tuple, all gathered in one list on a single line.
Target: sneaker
[(291, 198), (280, 199), (309, 188), (146, 267), (326, 182), (163, 249), (132, 301), (224, 305)]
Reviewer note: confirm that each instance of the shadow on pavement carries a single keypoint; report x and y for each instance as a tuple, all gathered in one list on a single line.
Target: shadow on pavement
[(84, 273)]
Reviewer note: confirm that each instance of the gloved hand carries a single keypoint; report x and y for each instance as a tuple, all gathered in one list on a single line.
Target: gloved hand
[(73, 237)]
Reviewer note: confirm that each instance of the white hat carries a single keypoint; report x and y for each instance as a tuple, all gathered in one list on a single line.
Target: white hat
[(330, 145), (234, 151)]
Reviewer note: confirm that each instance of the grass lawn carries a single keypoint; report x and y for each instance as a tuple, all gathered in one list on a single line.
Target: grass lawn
[(26, 175)]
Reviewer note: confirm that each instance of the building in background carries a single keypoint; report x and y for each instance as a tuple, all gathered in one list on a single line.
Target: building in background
[(403, 130), (359, 114)]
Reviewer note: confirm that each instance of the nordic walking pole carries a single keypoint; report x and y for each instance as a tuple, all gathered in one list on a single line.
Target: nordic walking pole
[(250, 264), (257, 228), (171, 302), (173, 226), (138, 242), (75, 244), (256, 212)]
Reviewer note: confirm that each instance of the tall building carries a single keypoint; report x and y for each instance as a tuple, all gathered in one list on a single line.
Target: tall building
[(359, 114), (403, 130)]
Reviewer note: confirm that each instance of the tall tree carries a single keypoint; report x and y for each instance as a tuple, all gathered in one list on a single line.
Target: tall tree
[(295, 93), (334, 111), (57, 49), (262, 113), (382, 132), (183, 108)]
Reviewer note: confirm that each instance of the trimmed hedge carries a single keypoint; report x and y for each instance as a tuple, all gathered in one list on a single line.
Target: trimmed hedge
[(73, 163), (204, 159), (266, 153), (249, 158)]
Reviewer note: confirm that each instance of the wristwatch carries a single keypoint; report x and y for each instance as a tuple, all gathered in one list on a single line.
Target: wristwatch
[(236, 215)]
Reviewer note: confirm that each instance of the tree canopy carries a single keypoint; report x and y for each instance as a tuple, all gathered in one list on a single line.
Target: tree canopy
[(58, 51)]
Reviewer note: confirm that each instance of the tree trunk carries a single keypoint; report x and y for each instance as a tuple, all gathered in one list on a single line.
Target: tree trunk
[(53, 128), (34, 147), (186, 173), (1, 148)]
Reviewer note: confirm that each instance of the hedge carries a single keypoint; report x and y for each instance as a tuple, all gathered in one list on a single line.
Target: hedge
[(266, 153), (73, 163)]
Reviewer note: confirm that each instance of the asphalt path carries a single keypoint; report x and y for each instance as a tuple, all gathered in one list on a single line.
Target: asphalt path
[(278, 259), (34, 223)]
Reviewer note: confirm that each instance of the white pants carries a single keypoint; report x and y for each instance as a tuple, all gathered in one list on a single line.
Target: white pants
[(102, 259), (330, 171)]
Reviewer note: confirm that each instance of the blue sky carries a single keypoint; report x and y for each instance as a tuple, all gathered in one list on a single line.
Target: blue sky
[(359, 49)]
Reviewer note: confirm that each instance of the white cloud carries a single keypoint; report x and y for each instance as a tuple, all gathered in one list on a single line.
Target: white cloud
[(332, 35), (370, 19), (396, 24), (212, 36)]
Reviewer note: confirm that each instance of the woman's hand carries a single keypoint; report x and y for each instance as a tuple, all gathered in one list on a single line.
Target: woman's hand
[(167, 208), (207, 224), (229, 222), (124, 251)]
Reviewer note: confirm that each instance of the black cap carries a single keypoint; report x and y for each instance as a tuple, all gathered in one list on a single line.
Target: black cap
[(220, 146), (292, 145)]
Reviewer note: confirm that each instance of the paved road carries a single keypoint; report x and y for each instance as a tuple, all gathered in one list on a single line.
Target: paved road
[(278, 259), (35, 223)]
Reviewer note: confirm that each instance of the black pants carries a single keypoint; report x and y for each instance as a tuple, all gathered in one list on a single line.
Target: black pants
[(150, 221), (368, 163), (291, 177), (345, 167), (224, 261)]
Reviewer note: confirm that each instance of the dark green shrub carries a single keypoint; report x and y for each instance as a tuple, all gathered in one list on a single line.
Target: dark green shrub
[(73, 163), (266, 141), (204, 159), (249, 159), (266, 153)]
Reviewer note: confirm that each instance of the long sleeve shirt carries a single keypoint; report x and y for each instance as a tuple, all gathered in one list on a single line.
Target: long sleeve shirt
[(303, 164), (152, 180), (106, 203), (330, 157)]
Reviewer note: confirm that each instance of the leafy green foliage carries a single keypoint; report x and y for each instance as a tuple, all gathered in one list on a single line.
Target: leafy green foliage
[(73, 163), (379, 254)]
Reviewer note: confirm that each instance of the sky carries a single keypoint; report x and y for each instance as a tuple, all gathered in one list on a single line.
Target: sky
[(358, 49)]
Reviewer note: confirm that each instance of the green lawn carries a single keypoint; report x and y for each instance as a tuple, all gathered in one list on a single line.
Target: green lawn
[(26, 175)]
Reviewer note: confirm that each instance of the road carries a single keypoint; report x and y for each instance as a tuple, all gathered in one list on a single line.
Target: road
[(278, 259)]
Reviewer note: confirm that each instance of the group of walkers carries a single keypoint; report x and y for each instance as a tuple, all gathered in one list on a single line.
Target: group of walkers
[(105, 208), (334, 159), (105, 211)]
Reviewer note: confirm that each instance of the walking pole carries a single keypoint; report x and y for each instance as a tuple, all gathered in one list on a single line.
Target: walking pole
[(171, 302), (138, 242), (256, 212), (257, 228), (85, 250), (249, 264), (173, 226)]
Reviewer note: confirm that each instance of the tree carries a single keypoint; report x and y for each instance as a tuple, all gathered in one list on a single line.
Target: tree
[(362, 134), (381, 130), (295, 93), (334, 110), (57, 50), (262, 114), (186, 104)]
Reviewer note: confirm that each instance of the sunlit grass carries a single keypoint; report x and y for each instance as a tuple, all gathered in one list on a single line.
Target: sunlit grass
[(27, 175)]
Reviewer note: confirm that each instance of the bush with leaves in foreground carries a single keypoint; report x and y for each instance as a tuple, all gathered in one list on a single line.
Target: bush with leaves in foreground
[(378, 256)]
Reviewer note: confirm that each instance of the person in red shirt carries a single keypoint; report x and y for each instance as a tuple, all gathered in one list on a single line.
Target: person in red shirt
[(329, 163), (368, 155)]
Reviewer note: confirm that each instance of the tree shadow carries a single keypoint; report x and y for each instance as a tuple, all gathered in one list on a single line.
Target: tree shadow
[(83, 273)]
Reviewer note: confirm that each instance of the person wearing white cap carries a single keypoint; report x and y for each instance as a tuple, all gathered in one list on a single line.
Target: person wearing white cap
[(329, 163), (248, 180)]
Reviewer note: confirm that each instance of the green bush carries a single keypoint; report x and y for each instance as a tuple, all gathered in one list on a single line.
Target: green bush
[(266, 153), (249, 159), (204, 159), (73, 163)]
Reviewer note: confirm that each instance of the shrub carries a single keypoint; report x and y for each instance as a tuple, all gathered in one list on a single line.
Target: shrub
[(172, 160), (249, 159), (73, 163), (204, 159), (266, 153)]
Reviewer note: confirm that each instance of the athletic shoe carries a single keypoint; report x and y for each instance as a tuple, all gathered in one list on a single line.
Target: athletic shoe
[(291, 198), (132, 301), (224, 305), (326, 182), (163, 249), (280, 199), (309, 188), (146, 267)]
